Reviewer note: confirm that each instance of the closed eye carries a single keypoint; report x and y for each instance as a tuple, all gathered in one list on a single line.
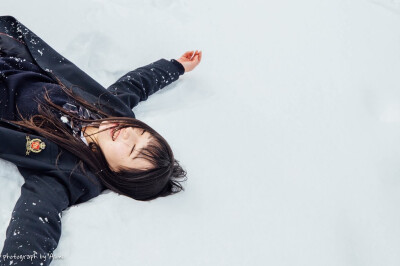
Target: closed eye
[(133, 148)]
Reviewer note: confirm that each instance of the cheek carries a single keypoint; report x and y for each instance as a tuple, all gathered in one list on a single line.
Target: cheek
[(113, 150)]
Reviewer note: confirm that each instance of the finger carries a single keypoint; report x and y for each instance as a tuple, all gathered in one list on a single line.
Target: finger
[(187, 54), (193, 54), (200, 54)]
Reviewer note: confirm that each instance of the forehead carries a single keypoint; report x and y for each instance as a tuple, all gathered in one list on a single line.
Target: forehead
[(139, 163)]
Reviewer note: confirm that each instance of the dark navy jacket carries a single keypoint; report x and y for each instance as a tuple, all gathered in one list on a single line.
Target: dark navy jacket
[(35, 226)]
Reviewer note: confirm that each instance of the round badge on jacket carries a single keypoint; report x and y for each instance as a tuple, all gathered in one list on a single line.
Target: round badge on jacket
[(34, 145)]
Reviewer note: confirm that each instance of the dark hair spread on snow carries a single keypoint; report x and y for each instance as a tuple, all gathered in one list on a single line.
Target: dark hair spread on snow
[(162, 180)]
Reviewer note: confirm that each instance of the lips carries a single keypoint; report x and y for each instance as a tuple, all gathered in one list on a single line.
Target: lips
[(112, 131)]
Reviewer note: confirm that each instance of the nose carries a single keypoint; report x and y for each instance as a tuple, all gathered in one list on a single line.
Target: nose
[(126, 132), (130, 132)]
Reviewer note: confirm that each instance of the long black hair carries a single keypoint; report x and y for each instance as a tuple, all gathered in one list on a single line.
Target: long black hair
[(161, 180)]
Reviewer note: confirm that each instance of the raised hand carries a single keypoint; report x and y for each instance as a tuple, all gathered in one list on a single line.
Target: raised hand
[(190, 60)]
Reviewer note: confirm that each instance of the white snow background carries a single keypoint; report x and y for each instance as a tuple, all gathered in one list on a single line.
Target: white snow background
[(289, 130)]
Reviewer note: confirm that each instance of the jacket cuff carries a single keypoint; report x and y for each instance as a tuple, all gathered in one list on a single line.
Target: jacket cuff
[(179, 66)]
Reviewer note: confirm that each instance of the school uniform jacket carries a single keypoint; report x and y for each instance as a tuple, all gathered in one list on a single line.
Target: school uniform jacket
[(35, 226)]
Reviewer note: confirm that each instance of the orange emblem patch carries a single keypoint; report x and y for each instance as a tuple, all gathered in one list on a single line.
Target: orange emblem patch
[(34, 145)]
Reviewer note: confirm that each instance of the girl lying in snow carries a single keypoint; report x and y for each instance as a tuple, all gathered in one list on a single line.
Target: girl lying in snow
[(71, 138)]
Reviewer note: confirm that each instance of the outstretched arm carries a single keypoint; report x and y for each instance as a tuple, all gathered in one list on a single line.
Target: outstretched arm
[(35, 226), (139, 84)]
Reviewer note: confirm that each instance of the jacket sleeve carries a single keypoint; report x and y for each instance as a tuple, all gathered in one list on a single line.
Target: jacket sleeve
[(139, 84), (35, 226)]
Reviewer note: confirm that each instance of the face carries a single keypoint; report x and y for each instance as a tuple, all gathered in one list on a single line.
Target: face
[(121, 148)]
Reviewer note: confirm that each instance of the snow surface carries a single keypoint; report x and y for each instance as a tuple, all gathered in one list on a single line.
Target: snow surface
[(289, 130)]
